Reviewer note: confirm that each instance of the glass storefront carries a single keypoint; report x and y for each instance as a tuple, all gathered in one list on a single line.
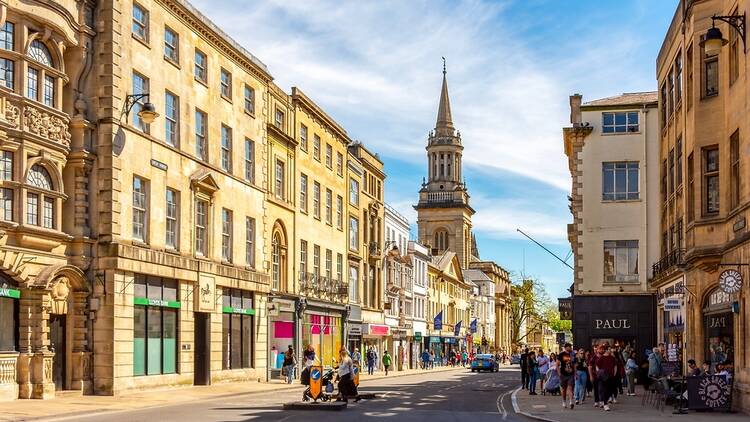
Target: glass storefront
[(155, 313), (718, 321), (9, 296), (325, 334), (281, 336)]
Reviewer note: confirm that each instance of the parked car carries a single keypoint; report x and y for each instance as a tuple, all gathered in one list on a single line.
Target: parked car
[(515, 359), (484, 362)]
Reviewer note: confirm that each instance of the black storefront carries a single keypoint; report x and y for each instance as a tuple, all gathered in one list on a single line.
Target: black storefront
[(621, 319)]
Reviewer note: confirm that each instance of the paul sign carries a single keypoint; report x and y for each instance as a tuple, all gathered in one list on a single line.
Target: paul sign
[(608, 324), (730, 281)]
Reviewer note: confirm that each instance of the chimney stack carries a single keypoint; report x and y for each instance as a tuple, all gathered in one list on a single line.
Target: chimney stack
[(575, 109)]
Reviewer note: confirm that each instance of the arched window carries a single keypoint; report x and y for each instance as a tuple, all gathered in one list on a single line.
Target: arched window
[(441, 240), (39, 177), (40, 204), (39, 52)]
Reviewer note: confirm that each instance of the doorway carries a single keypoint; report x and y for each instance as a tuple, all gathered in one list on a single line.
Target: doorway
[(57, 345), (202, 362)]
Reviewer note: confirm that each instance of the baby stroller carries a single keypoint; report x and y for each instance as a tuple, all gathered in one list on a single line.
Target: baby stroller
[(552, 386)]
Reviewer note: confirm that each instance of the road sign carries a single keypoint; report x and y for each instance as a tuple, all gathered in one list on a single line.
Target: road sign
[(316, 381)]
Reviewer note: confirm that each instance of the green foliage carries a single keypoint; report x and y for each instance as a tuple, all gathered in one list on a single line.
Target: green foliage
[(529, 307)]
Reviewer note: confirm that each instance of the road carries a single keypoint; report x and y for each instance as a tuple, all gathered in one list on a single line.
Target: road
[(441, 396)]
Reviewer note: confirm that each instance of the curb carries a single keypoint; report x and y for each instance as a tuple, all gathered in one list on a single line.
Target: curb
[(517, 410)]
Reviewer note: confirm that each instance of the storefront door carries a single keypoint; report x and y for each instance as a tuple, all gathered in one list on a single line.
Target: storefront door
[(57, 345), (718, 324), (202, 358)]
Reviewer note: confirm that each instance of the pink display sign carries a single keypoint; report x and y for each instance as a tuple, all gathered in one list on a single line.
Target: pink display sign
[(379, 330), (283, 329)]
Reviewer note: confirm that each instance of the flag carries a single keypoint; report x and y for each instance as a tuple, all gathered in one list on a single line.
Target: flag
[(438, 323), (457, 328), (473, 326)]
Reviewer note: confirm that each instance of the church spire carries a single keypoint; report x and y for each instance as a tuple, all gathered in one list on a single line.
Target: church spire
[(444, 124)]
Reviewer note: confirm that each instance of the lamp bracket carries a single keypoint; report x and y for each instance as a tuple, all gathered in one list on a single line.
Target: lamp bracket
[(130, 101), (735, 21)]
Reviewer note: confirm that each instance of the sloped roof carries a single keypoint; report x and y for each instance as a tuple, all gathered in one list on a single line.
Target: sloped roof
[(627, 98), (476, 275)]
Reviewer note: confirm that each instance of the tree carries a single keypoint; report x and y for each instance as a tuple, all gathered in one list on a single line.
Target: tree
[(527, 309), (552, 316)]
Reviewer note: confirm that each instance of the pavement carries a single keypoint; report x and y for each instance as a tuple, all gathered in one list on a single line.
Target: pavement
[(68, 406), (549, 409)]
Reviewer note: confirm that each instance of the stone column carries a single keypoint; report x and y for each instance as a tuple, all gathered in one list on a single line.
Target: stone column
[(41, 374), (80, 370), (28, 310)]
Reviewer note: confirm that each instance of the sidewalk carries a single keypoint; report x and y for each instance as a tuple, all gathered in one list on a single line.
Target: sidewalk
[(549, 408), (68, 406)]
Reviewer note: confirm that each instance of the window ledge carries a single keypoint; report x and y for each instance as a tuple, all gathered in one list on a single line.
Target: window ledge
[(621, 133), (201, 81), (171, 250), (141, 243), (173, 62), (144, 42), (227, 263), (249, 113), (614, 201), (228, 99)]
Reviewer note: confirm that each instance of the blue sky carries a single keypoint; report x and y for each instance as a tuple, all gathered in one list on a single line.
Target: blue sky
[(375, 66)]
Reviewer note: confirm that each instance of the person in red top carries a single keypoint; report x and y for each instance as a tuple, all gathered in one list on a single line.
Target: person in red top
[(592, 373), (606, 371)]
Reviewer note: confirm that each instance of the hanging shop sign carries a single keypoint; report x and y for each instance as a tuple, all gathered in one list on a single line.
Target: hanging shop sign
[(709, 392), (12, 293), (672, 304), (730, 281), (565, 306)]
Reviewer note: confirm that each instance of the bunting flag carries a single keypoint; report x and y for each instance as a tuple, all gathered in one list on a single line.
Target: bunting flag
[(473, 326), (457, 328), (438, 323)]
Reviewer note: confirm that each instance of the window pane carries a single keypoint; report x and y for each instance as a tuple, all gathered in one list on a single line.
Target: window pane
[(620, 119), (7, 72), (620, 184), (32, 209), (608, 118), (170, 341), (226, 362), (139, 340), (32, 81), (236, 341), (6, 36), (247, 341), (139, 286), (153, 343), (49, 91), (6, 204)]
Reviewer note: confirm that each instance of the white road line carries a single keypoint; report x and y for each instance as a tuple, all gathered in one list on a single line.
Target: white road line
[(501, 405)]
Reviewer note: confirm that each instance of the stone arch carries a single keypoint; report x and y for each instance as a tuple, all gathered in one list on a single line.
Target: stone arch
[(49, 276), (54, 49), (52, 169)]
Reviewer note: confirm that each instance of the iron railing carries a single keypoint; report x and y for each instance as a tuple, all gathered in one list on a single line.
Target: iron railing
[(668, 262), (324, 288)]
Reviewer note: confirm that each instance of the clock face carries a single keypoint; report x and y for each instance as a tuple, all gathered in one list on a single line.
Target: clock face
[(730, 281)]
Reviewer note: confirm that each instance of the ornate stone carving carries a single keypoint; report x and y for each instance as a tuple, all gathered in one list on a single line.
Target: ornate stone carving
[(48, 374), (12, 114), (45, 125), (59, 295)]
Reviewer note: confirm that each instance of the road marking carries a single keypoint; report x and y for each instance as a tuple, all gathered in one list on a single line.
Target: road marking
[(501, 405)]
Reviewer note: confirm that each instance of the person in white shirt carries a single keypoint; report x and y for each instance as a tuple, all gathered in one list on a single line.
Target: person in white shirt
[(543, 362), (347, 388)]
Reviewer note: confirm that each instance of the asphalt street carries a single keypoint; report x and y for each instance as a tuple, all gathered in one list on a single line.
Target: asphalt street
[(439, 396)]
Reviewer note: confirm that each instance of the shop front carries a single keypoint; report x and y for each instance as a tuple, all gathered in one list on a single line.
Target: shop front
[(623, 320), (718, 327), (375, 337), (435, 344), (324, 330), (282, 329), (671, 322)]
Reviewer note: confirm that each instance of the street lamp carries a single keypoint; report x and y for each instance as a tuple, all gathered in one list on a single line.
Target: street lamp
[(147, 113), (714, 40)]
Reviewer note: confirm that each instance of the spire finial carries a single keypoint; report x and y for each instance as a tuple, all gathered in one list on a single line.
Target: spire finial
[(444, 72)]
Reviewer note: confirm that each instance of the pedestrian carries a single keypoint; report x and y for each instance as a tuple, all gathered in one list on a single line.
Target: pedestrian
[(566, 372), (619, 374), (631, 366), (582, 376), (290, 361), (543, 367), (593, 356), (706, 368), (309, 356), (356, 356), (370, 356), (347, 388), (693, 370), (425, 359), (464, 358), (386, 361), (533, 370), (654, 364), (524, 363), (552, 378), (606, 371), (432, 359)]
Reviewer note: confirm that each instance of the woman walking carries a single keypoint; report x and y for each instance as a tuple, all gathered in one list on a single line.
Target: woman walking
[(290, 362), (533, 369), (347, 388), (630, 369), (582, 375)]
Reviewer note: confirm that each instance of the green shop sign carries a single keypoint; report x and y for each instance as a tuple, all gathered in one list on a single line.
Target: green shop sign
[(156, 302), (417, 336), (6, 292), (231, 310)]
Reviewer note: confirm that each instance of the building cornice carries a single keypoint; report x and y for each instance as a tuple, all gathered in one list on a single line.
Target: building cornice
[(303, 101)]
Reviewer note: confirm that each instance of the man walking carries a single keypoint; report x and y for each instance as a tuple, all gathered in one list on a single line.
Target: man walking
[(386, 361), (425, 359), (566, 371), (370, 361), (524, 362)]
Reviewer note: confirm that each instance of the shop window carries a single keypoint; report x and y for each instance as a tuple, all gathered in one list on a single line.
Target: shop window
[(325, 334), (9, 295), (237, 329), (155, 321)]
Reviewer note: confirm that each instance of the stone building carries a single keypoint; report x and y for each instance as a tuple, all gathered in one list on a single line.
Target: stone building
[(448, 298), (613, 161), (366, 241), (705, 196), (502, 303)]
